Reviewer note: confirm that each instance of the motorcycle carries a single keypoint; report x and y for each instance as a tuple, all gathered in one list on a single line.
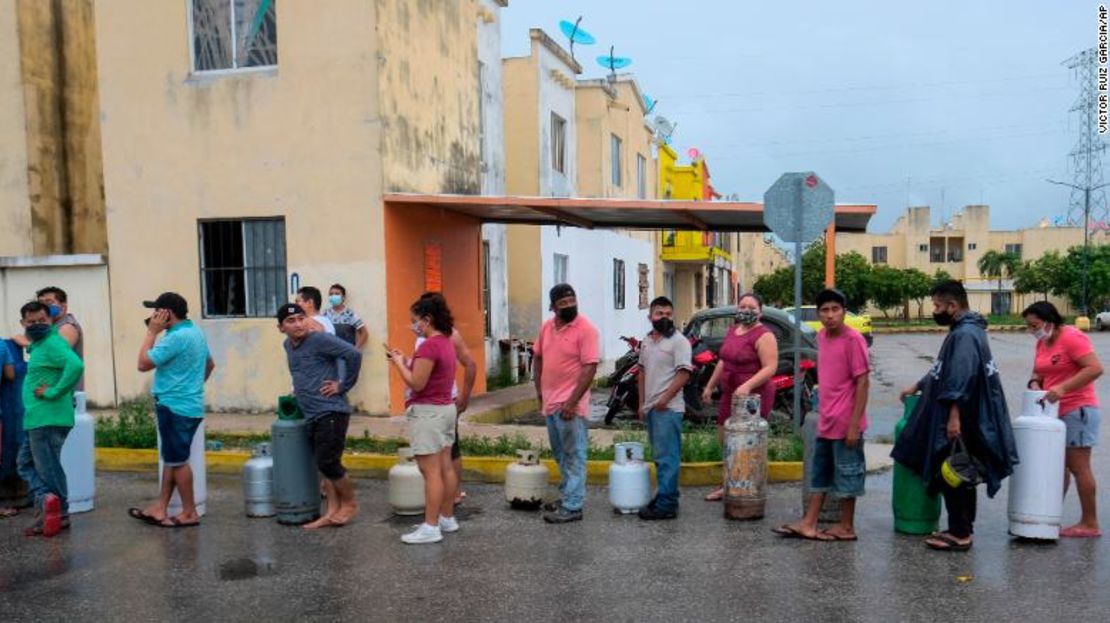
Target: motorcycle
[(624, 397), (784, 390)]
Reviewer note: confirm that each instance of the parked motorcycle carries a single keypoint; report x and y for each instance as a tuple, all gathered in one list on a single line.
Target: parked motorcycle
[(624, 397)]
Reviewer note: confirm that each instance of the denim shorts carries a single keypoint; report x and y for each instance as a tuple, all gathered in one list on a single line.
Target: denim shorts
[(838, 469), (176, 432), (1082, 427)]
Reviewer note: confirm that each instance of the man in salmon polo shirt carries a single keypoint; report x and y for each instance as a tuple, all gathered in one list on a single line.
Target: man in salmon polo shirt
[(565, 358)]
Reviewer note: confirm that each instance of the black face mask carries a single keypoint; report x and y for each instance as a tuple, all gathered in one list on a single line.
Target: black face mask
[(567, 314), (37, 332), (663, 326), (944, 319)]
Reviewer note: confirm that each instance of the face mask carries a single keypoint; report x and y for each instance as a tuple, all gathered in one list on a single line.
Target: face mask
[(567, 314), (417, 329), (336, 300), (37, 332), (54, 310), (944, 318), (747, 317), (664, 326), (1043, 333)]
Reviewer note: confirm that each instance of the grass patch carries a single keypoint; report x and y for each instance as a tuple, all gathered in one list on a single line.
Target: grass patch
[(132, 427)]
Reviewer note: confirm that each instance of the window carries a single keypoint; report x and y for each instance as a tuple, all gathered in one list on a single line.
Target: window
[(716, 327), (615, 159), (242, 267), (558, 144), (1015, 249), (618, 284), (485, 287), (641, 176), (668, 285), (878, 255), (923, 247), (233, 34), (561, 262), (971, 246), (643, 285)]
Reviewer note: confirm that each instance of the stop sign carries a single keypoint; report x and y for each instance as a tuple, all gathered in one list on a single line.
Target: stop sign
[(798, 207)]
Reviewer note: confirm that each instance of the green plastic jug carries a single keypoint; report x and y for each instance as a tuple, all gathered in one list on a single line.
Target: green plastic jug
[(915, 511)]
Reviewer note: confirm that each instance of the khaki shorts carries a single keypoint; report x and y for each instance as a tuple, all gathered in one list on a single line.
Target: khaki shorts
[(431, 428)]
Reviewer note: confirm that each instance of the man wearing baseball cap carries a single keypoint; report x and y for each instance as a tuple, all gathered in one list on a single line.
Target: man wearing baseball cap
[(181, 365)]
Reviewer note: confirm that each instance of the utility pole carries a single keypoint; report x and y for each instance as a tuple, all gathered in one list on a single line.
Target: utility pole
[(1086, 190)]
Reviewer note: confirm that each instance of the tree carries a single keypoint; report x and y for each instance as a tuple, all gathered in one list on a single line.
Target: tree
[(888, 287), (1069, 278), (917, 286), (777, 288), (1039, 275), (995, 263), (853, 278)]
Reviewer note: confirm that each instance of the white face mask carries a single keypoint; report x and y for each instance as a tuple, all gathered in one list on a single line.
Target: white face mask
[(1043, 333)]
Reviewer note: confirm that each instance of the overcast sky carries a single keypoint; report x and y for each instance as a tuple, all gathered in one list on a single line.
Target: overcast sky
[(942, 103)]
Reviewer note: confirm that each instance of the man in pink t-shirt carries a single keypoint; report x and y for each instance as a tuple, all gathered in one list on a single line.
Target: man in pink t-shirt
[(838, 465), (565, 357)]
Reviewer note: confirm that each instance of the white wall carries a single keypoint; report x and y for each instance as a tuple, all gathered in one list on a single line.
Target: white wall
[(590, 272), (554, 97), (85, 281), (493, 178)]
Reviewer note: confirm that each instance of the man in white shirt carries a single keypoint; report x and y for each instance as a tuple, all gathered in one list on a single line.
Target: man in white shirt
[(310, 300)]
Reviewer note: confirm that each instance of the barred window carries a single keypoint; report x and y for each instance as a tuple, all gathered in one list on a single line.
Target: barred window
[(242, 267), (618, 284), (233, 34)]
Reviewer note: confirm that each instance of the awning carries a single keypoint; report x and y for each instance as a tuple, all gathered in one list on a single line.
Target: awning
[(622, 213)]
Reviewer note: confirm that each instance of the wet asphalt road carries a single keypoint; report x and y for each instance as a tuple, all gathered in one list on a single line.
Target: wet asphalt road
[(509, 565)]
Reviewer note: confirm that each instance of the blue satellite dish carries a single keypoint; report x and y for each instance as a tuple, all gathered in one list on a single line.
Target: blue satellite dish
[(649, 104), (613, 63), (575, 33)]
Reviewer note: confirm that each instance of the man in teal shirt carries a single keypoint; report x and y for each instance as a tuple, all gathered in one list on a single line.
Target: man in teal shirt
[(53, 370), (181, 365)]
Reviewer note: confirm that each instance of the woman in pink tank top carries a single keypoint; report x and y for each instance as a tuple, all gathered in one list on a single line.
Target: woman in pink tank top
[(748, 360)]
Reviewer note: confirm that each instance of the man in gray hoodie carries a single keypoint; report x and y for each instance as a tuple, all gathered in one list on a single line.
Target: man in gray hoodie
[(314, 363)]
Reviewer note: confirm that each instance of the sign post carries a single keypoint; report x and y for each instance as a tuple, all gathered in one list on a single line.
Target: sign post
[(798, 208)]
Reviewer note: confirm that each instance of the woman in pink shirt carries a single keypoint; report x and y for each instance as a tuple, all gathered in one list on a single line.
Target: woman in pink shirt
[(749, 358), (1065, 366), (430, 414)]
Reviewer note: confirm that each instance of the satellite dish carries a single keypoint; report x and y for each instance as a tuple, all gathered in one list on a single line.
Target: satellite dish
[(663, 128), (613, 63), (693, 153), (575, 34), (649, 103)]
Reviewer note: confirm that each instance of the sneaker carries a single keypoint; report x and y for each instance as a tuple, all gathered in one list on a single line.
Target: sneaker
[(552, 506), (562, 515), (448, 524), (423, 534), (51, 515), (651, 513)]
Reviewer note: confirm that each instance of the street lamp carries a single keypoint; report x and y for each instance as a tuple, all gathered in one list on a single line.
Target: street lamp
[(1086, 229)]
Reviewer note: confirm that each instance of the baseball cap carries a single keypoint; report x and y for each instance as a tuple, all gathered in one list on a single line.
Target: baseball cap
[(171, 301), (287, 310), (560, 291)]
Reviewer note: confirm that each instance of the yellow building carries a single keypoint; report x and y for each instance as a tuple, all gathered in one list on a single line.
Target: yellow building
[(956, 246), (756, 255), (235, 173)]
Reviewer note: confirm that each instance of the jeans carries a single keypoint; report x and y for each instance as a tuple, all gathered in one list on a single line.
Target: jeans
[(40, 464), (664, 430), (569, 442)]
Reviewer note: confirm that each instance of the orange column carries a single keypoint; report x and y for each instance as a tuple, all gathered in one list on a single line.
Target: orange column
[(830, 255)]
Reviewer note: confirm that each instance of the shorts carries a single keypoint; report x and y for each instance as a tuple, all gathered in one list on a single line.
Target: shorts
[(431, 427), (838, 469), (176, 435), (327, 436), (1082, 427)]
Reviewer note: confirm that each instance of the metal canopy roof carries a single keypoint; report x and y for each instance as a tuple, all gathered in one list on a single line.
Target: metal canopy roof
[(622, 213)]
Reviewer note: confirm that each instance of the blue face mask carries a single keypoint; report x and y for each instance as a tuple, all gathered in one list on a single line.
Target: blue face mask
[(336, 300), (37, 332), (54, 310)]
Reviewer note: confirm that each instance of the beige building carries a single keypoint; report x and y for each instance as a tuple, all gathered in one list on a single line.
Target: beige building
[(956, 246), (756, 255), (246, 157)]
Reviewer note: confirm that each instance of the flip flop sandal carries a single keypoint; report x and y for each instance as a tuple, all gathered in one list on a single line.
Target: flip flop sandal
[(1081, 533), (177, 523), (786, 532), (137, 513), (840, 537), (950, 544), (10, 511), (715, 496)]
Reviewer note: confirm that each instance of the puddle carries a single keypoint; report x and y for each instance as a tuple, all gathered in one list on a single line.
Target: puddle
[(245, 568)]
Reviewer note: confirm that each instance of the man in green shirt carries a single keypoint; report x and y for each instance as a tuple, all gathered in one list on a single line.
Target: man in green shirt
[(53, 369)]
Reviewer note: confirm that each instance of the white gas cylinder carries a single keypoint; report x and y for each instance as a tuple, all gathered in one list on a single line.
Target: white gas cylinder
[(629, 478), (200, 474), (1037, 484), (526, 481), (79, 459), (406, 485)]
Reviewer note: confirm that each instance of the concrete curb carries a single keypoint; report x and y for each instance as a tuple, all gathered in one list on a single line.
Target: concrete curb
[(475, 469)]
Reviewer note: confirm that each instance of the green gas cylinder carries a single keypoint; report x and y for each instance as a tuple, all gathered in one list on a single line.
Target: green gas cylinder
[(915, 510)]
